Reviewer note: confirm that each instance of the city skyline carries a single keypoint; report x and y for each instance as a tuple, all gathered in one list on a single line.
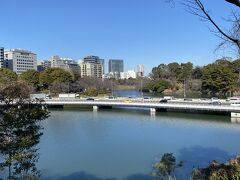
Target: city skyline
[(136, 31)]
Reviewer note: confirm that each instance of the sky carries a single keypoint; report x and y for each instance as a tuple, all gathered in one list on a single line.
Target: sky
[(148, 32)]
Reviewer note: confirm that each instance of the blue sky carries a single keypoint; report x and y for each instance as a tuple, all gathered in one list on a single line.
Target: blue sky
[(146, 32)]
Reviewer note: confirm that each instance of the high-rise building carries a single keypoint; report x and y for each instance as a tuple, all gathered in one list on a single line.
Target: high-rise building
[(92, 66), (140, 70), (115, 65), (93, 59), (1, 57), (20, 60)]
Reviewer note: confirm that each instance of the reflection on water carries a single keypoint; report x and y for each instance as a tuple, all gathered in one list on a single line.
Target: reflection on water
[(124, 143)]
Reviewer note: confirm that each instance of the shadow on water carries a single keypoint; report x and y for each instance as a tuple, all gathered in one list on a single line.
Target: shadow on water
[(198, 156), (74, 176), (85, 176), (192, 157), (158, 115)]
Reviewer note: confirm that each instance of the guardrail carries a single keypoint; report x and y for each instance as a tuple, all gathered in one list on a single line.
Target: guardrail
[(157, 105)]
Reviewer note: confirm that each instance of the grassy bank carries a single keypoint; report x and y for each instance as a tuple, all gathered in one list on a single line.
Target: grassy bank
[(125, 87)]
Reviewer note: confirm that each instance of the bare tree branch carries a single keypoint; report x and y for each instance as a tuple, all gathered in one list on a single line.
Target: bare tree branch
[(197, 8), (235, 2)]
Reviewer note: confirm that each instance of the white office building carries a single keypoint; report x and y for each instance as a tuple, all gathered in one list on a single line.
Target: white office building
[(20, 60), (128, 74), (140, 70)]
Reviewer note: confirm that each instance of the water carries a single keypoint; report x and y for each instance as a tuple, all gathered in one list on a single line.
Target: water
[(123, 144)]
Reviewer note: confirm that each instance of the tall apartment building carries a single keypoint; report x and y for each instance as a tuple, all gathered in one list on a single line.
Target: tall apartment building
[(57, 62), (92, 66), (140, 70), (94, 59), (20, 60), (1, 57)]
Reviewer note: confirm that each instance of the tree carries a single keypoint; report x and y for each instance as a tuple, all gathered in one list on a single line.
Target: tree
[(166, 166), (231, 36), (7, 76), (216, 170), (174, 69), (236, 67), (55, 75), (186, 71), (197, 72), (31, 77), (157, 86), (218, 78), (20, 131)]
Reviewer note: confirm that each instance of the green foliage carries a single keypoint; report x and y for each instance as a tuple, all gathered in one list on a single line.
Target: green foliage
[(7, 76), (166, 166), (219, 171), (175, 69), (55, 75), (186, 71), (157, 86), (20, 131), (91, 92), (31, 77), (218, 78)]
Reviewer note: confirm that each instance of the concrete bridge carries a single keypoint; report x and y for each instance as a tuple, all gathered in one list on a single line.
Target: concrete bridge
[(234, 111)]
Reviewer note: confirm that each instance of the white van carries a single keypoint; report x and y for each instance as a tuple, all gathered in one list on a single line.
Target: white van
[(233, 99), (236, 103), (168, 97)]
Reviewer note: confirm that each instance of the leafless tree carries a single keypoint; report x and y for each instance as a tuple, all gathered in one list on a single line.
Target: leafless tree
[(229, 37)]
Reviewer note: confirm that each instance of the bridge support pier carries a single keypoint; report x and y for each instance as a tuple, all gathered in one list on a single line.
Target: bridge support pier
[(235, 115), (152, 111), (95, 108)]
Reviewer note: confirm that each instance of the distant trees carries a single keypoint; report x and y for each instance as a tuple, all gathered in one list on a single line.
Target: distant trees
[(157, 86), (55, 75), (218, 78), (7, 76), (31, 77)]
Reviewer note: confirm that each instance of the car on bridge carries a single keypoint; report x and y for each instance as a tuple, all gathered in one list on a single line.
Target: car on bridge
[(90, 99), (215, 103), (163, 101), (128, 101)]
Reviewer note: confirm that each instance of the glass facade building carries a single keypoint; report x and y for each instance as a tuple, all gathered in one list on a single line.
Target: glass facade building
[(115, 66)]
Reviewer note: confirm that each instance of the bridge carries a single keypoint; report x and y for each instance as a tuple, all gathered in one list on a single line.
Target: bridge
[(153, 106)]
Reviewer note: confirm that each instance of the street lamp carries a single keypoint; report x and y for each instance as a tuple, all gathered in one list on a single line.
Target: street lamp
[(141, 89), (184, 88)]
